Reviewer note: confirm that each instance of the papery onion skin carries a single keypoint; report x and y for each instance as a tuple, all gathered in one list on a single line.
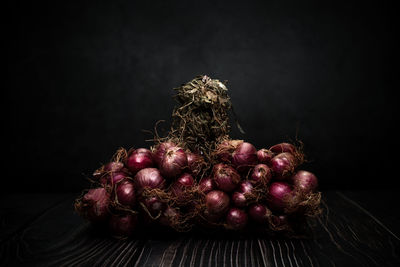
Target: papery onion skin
[(225, 149), (184, 182), (283, 165), (139, 159), (148, 178), (245, 187), (217, 203), (236, 219), (261, 174), (225, 177), (95, 205), (153, 205), (125, 193), (304, 181), (173, 162), (114, 166), (264, 156), (113, 177), (160, 150), (206, 185), (259, 213), (244, 157), (123, 226), (239, 197), (195, 162), (279, 194), (282, 148)]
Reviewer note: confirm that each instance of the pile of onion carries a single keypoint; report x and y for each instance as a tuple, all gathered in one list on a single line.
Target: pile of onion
[(174, 187)]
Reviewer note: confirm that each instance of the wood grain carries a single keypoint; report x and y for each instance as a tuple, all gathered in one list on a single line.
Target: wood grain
[(51, 234)]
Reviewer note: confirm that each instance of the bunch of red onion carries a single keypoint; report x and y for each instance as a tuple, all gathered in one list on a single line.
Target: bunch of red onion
[(169, 186)]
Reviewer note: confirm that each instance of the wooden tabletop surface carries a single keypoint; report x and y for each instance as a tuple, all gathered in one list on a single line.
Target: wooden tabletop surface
[(355, 229)]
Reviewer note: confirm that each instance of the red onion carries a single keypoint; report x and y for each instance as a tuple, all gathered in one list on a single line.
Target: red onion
[(206, 185), (184, 182), (283, 165), (153, 205), (148, 178), (225, 177), (114, 166), (123, 226), (236, 219), (304, 181), (283, 147), (245, 187), (225, 149), (264, 156), (261, 174), (279, 194), (173, 162), (139, 159), (114, 177), (94, 205), (240, 198), (195, 162), (125, 193), (160, 150), (244, 157), (217, 204), (259, 213)]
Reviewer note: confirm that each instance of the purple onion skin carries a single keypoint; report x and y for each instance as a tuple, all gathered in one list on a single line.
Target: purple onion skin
[(259, 213), (113, 166), (160, 150), (115, 177), (283, 165), (185, 181), (261, 174), (244, 157), (194, 162), (304, 181), (173, 162), (206, 185), (153, 205), (123, 226), (239, 198), (245, 187), (225, 177), (264, 156), (279, 193), (226, 149), (217, 203), (125, 193), (236, 219), (139, 159), (282, 148), (96, 202), (148, 178)]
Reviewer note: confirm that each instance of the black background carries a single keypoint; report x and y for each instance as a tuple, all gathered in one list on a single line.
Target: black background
[(85, 78)]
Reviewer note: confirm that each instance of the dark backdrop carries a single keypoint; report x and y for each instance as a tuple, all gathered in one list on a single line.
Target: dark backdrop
[(85, 78)]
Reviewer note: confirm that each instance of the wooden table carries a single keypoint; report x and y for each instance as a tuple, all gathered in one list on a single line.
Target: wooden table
[(356, 229)]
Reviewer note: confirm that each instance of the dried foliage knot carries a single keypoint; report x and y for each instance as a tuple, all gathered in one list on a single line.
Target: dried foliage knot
[(202, 117)]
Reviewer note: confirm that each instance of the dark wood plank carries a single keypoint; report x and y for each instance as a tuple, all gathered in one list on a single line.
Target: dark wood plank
[(347, 234)]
